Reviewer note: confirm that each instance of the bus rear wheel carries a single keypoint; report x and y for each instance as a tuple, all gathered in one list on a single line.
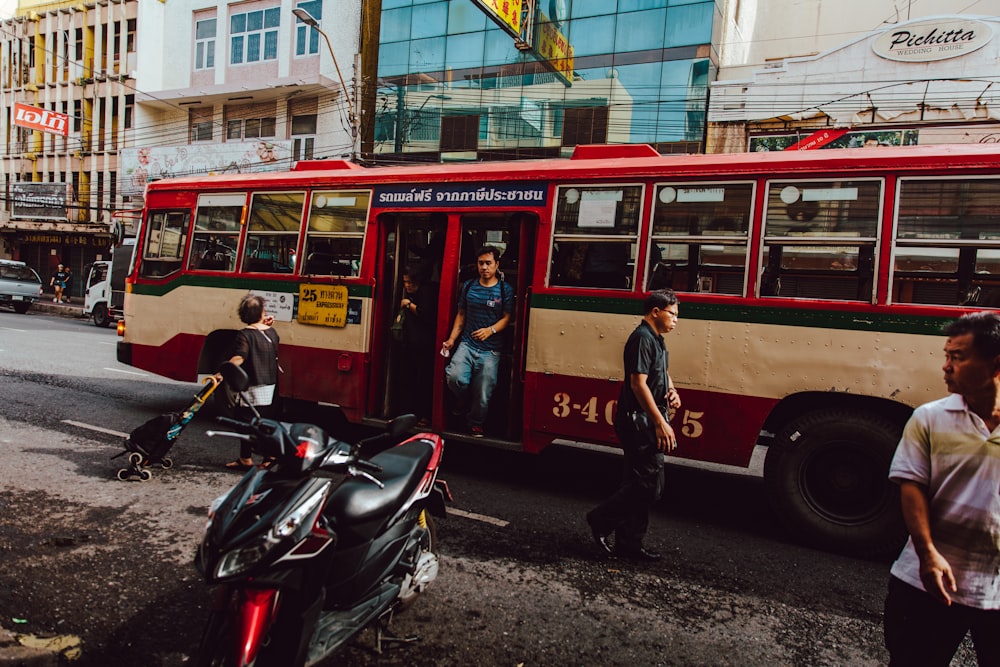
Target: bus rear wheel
[(827, 478)]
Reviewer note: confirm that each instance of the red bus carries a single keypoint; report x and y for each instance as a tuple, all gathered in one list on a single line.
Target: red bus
[(813, 288)]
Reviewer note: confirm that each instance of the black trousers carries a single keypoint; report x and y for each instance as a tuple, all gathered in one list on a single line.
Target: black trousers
[(626, 512), (922, 632)]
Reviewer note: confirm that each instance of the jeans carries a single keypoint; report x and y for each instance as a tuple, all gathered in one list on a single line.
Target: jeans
[(472, 376)]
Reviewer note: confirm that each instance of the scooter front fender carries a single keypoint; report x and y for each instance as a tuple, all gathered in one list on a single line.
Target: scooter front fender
[(254, 616)]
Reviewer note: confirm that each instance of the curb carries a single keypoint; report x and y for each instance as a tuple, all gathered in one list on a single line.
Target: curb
[(61, 309)]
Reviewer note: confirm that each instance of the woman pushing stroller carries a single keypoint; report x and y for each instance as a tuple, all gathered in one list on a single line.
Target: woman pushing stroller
[(256, 350)]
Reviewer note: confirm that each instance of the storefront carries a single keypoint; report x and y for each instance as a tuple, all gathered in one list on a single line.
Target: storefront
[(926, 81)]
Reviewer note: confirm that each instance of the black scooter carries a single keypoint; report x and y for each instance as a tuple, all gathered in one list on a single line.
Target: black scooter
[(310, 551)]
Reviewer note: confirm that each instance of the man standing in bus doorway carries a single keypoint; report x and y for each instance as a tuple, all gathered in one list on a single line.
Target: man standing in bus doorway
[(644, 432), (946, 581), (484, 311)]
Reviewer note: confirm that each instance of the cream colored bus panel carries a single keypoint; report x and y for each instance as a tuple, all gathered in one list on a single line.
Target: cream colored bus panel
[(763, 360)]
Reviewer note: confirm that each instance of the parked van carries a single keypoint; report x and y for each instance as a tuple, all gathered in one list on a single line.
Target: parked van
[(105, 288), (20, 286)]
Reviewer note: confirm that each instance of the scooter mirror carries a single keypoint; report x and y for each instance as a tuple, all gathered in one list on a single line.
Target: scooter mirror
[(234, 376)]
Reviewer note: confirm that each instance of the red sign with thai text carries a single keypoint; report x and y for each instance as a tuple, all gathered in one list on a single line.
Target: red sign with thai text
[(41, 119), (818, 139)]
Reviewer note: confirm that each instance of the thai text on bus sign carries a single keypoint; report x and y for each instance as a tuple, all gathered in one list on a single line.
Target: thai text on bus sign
[(434, 195), (325, 305)]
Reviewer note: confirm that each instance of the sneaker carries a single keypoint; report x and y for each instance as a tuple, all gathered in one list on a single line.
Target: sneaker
[(477, 431), (55, 300)]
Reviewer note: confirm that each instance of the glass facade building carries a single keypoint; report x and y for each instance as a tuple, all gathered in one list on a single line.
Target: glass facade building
[(452, 84)]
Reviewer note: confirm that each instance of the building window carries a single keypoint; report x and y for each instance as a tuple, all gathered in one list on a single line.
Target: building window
[(303, 136), (460, 133), (204, 44), (585, 125), (307, 39), (254, 36), (249, 128), (201, 125)]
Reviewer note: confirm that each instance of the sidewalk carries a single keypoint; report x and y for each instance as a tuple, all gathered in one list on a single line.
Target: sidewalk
[(45, 305)]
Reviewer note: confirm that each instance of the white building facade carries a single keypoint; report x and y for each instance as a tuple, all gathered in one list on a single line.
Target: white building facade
[(137, 90), (875, 73)]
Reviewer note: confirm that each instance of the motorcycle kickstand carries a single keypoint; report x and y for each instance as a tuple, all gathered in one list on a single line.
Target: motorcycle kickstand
[(384, 634)]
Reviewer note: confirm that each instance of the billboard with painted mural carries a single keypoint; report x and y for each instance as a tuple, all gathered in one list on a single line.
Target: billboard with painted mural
[(141, 165)]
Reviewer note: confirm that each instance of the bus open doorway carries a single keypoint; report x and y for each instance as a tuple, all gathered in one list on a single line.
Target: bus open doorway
[(442, 247)]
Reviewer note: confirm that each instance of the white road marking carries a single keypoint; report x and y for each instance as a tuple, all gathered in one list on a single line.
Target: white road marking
[(500, 523), (94, 428), (13, 329), (118, 370)]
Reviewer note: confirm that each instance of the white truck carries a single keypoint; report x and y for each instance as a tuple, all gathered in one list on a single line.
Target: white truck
[(105, 295)]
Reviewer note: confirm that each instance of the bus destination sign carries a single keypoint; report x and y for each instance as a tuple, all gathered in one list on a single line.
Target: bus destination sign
[(435, 195), (325, 305)]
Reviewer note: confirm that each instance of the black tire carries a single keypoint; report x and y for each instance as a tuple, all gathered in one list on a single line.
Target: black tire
[(428, 542), (827, 479), (217, 640), (21, 308), (100, 315)]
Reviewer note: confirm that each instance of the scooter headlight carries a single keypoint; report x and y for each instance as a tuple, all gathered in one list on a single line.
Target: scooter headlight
[(241, 559)]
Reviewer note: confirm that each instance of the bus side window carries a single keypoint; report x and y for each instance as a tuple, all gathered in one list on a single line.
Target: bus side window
[(947, 250), (700, 237), (596, 233), (166, 236)]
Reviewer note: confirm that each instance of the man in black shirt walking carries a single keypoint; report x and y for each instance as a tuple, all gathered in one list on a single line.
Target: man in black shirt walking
[(643, 430)]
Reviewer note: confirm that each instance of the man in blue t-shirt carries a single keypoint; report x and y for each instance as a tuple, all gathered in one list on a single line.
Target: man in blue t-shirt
[(484, 311)]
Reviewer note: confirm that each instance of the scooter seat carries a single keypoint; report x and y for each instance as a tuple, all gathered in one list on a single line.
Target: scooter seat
[(358, 500)]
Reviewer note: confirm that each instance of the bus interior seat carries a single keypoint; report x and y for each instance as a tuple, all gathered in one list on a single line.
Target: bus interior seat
[(319, 263), (213, 264), (256, 265)]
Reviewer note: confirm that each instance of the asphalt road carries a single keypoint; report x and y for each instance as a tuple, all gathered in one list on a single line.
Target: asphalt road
[(83, 554)]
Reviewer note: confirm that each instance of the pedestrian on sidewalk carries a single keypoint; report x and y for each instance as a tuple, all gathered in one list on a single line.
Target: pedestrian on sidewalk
[(58, 283)]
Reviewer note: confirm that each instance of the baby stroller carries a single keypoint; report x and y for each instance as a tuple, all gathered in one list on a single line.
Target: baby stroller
[(148, 444)]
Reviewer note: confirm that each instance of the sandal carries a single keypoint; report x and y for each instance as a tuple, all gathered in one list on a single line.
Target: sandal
[(239, 465), (268, 463)]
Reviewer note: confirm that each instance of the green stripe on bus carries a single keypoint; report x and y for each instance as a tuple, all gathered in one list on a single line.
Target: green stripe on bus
[(261, 284), (785, 316)]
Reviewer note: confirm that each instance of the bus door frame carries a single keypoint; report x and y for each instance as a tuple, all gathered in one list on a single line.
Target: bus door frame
[(525, 225)]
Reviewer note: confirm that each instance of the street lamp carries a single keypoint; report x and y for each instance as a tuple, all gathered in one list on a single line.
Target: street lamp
[(308, 19)]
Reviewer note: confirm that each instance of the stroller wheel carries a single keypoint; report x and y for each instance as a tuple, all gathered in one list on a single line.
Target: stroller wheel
[(122, 475), (167, 463), (145, 475), (135, 458)]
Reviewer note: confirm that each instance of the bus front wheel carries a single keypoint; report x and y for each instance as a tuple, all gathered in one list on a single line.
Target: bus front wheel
[(827, 477)]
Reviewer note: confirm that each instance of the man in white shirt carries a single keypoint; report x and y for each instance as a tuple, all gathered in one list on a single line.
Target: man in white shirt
[(946, 581)]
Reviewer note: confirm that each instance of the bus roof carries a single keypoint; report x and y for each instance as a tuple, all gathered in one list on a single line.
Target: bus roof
[(596, 161)]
